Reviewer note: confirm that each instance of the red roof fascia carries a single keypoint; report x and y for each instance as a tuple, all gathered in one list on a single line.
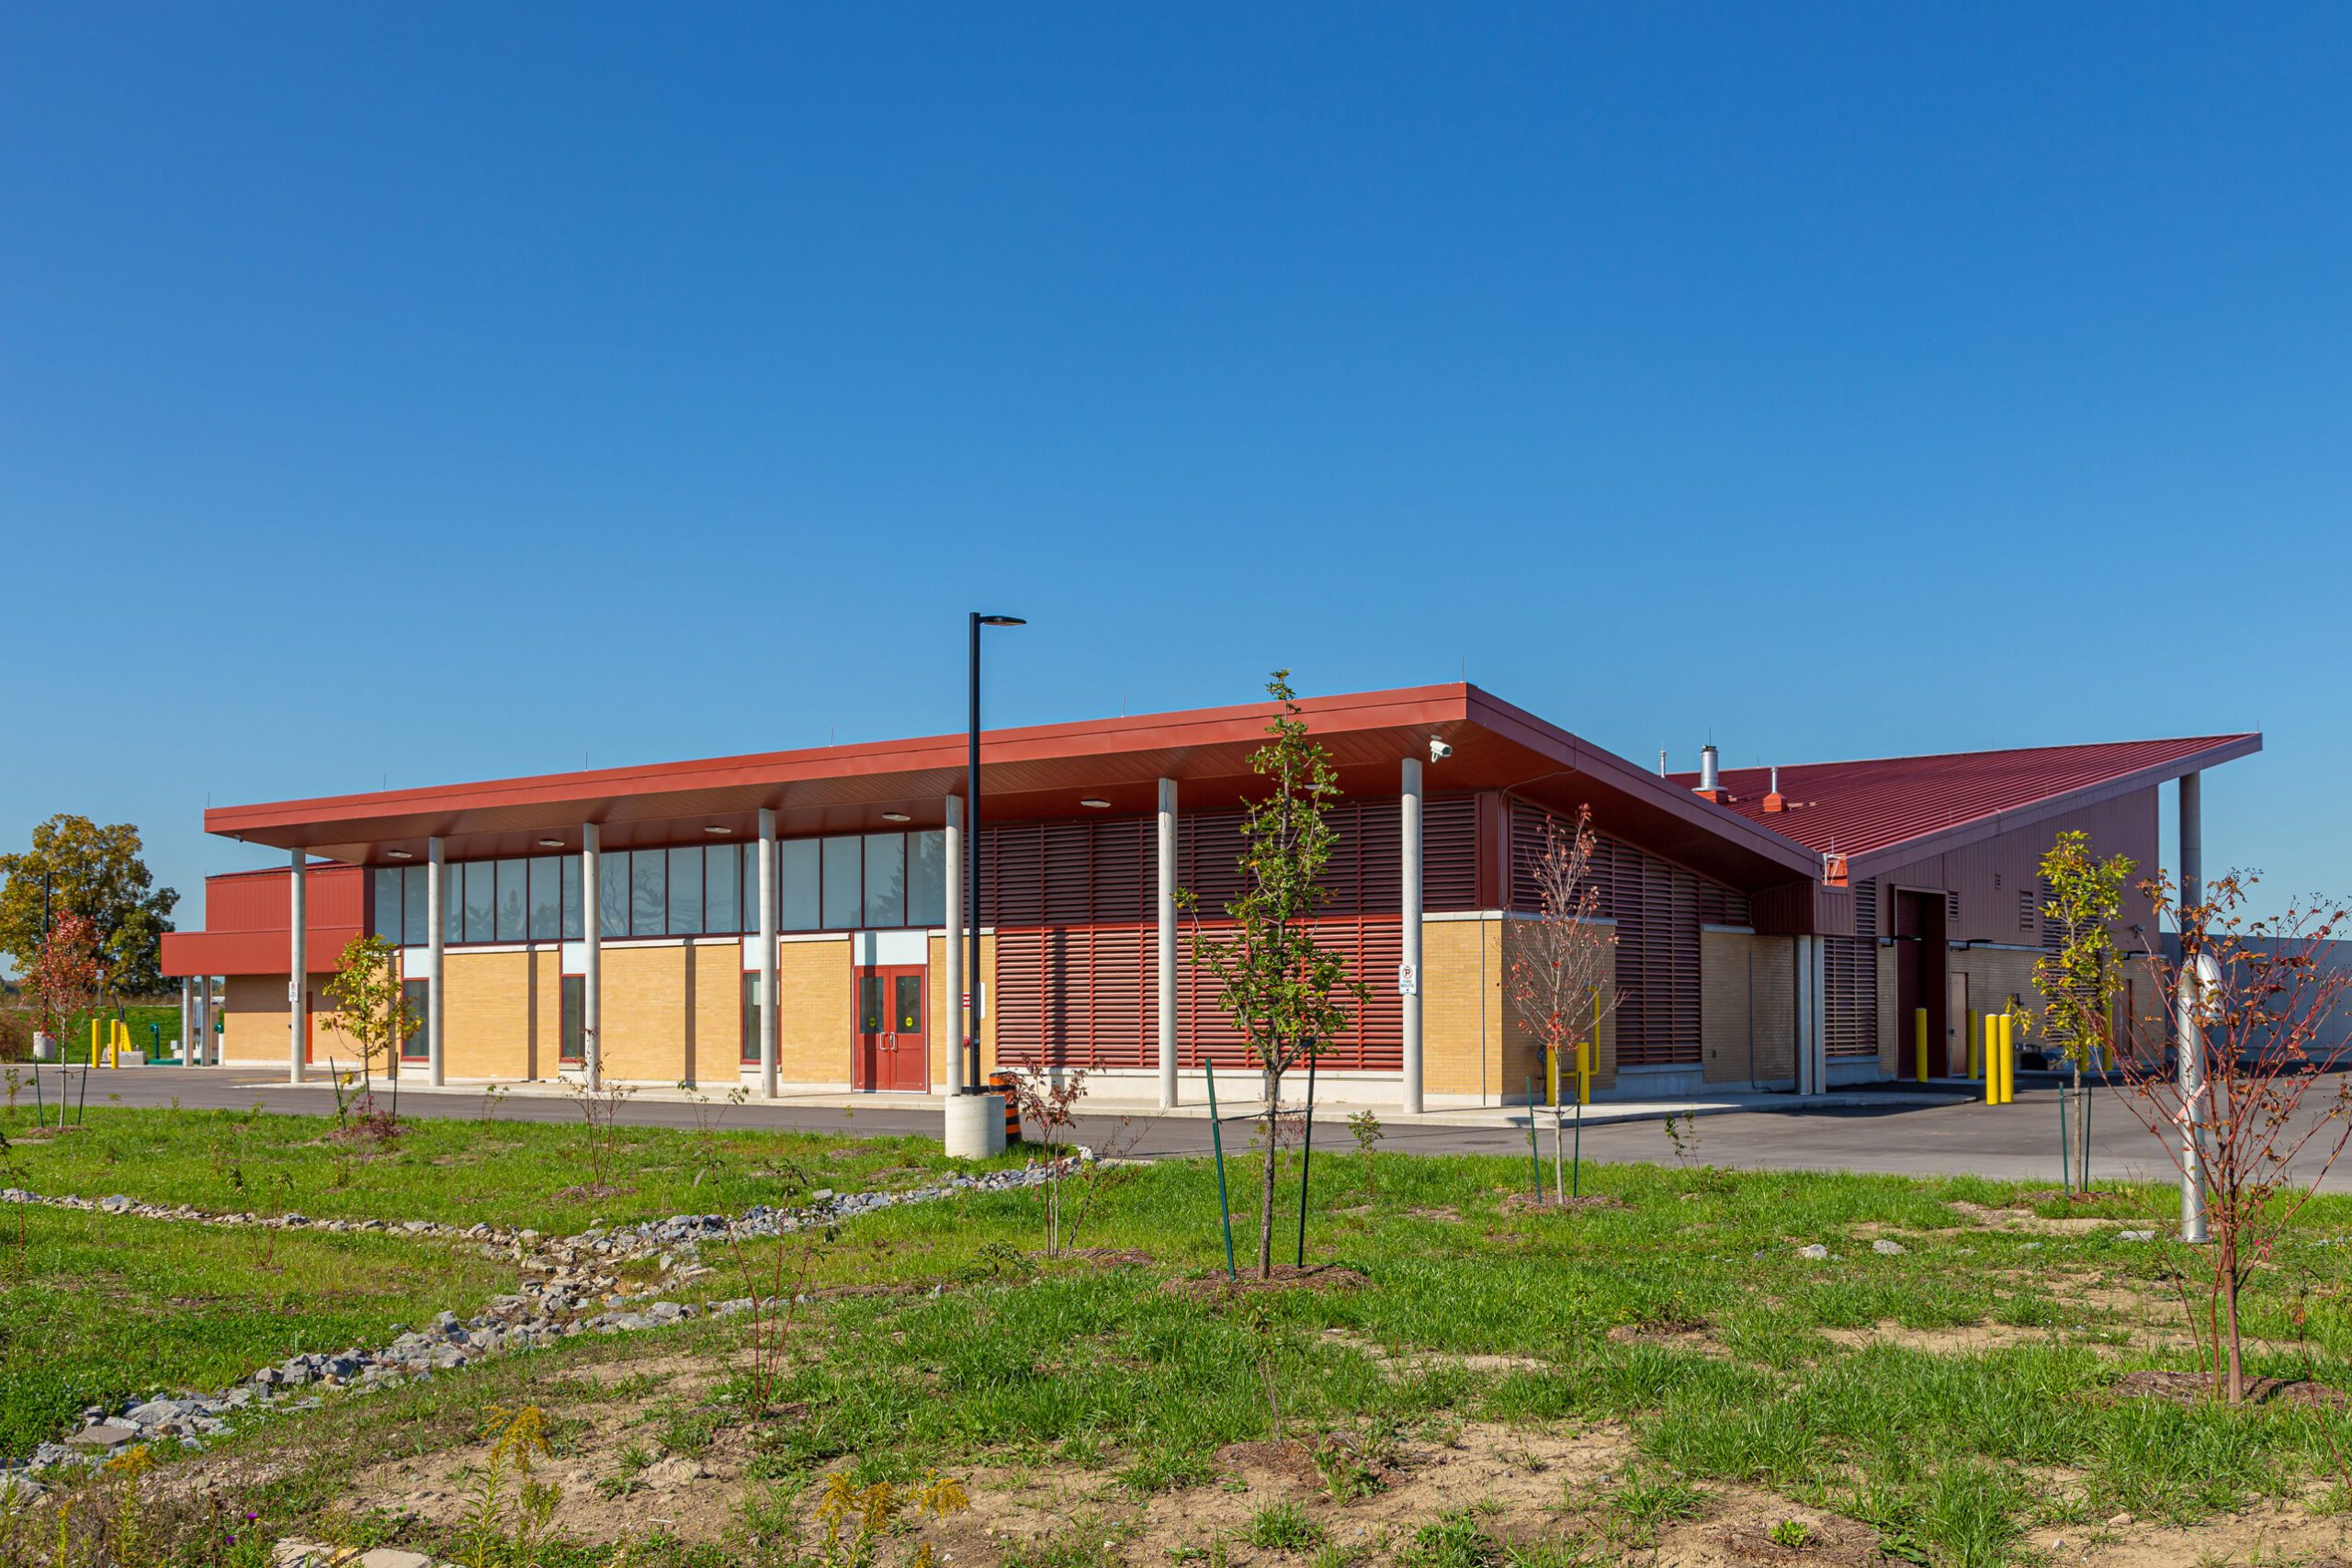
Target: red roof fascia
[(252, 953), (1884, 811)]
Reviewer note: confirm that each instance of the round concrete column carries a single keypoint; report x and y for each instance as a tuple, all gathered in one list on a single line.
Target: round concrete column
[(974, 1125)]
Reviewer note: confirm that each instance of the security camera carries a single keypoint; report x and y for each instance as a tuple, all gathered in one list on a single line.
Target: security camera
[(1439, 750)]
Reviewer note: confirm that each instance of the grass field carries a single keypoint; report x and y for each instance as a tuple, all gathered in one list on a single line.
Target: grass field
[(522, 1173), (1659, 1378), (95, 1309)]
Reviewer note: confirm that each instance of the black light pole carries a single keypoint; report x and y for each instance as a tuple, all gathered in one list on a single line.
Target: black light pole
[(971, 1075)]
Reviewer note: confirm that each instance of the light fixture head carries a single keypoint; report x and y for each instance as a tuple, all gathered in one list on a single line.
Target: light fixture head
[(398, 854), (550, 843), (896, 817), (716, 829), (1093, 804), (1002, 621)]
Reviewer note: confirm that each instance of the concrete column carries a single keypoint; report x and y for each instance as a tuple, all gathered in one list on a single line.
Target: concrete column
[(1820, 1016), (768, 981), (2198, 973), (1801, 1049), (297, 977), (1166, 910), (2192, 838), (204, 1022), (952, 1020), (437, 872), (591, 927), (1409, 826), (187, 1019)]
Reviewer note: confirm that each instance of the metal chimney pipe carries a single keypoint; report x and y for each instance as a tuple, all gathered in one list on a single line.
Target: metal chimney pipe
[(1708, 777)]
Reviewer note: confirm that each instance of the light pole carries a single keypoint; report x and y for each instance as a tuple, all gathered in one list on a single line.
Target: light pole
[(971, 1073)]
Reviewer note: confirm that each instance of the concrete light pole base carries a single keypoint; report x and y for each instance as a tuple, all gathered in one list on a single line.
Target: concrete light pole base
[(974, 1125)]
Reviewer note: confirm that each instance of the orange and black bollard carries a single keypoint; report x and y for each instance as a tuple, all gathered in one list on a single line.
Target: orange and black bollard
[(1001, 1081)]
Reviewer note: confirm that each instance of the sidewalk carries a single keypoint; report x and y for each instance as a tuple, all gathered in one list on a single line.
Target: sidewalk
[(1600, 1114)]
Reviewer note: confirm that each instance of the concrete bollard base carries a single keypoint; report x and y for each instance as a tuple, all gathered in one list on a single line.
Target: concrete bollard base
[(974, 1125)]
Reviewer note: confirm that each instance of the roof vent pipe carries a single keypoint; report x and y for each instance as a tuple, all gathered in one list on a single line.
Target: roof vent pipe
[(1709, 780)]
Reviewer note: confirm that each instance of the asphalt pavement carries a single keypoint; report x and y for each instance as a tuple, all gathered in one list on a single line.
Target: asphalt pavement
[(2018, 1141)]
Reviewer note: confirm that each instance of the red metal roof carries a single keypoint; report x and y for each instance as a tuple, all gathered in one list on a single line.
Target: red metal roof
[(1039, 773), (1922, 804)]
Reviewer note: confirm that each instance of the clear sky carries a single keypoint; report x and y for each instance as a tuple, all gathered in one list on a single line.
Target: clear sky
[(398, 394)]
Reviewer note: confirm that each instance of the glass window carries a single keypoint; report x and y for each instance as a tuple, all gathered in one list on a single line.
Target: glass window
[(885, 879), (575, 1019), (685, 891), (573, 928), (721, 892), (612, 893), (926, 879), (842, 904), (648, 893), (416, 911), (751, 1017), (414, 1045), (514, 900), (387, 881), (796, 875), (453, 902), (546, 898), (481, 900)]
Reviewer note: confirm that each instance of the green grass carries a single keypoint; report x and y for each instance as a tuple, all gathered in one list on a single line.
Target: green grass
[(95, 1309), (1018, 1361), (500, 1171)]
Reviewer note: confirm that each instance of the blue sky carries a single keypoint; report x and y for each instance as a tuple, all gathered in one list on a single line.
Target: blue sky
[(401, 394)]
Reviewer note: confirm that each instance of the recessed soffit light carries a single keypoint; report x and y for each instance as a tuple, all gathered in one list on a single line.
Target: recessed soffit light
[(1093, 804)]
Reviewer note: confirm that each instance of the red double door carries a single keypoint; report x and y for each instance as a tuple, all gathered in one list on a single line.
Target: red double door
[(892, 1049)]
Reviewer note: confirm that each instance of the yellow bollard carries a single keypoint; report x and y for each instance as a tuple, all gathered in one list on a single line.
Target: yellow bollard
[(1991, 1046), (1919, 1042), (2008, 1057)]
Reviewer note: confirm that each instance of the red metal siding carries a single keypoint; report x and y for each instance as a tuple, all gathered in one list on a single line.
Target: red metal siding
[(1076, 971)]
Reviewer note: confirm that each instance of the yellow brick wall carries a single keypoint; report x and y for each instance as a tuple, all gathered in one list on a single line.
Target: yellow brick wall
[(813, 1019), (486, 1015), (942, 1022), (713, 1035), (1746, 998), (255, 1021), (1473, 1041), (643, 1009), (546, 1012)]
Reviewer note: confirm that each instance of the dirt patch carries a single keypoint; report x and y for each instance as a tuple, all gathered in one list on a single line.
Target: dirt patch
[(2196, 1388), (1514, 1475), (1397, 1364), (2058, 1195), (1737, 1532), (2271, 1533), (1102, 1256), (1963, 1339), (617, 1482), (1287, 1277), (1693, 1334), (1520, 1203), (1443, 1214), (2027, 1221)]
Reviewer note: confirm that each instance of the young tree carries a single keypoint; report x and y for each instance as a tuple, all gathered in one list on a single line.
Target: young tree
[(2244, 1110), (2080, 982), (64, 976), (98, 872), (371, 1009), (1281, 986), (1560, 961)]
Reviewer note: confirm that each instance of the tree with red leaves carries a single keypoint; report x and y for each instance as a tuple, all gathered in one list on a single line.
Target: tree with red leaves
[(2242, 1101)]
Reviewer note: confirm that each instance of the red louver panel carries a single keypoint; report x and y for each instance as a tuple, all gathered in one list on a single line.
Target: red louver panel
[(1850, 1011), (1076, 972)]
